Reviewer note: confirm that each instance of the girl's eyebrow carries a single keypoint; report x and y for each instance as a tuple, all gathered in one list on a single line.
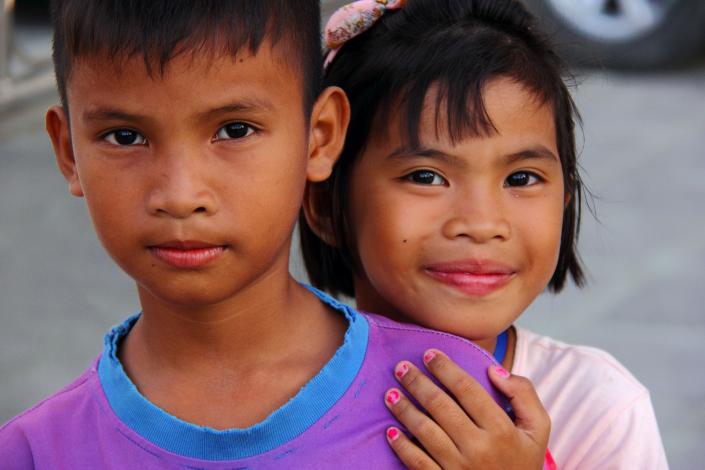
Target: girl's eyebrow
[(405, 152), (537, 152)]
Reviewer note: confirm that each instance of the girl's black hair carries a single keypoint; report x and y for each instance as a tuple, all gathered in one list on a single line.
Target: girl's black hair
[(459, 46), (158, 30)]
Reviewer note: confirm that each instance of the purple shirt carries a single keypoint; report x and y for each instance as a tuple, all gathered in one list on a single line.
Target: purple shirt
[(337, 420)]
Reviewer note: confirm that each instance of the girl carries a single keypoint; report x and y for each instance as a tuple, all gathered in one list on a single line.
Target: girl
[(455, 203)]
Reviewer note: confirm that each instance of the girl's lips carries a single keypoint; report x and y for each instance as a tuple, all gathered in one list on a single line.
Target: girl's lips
[(472, 284), (187, 254), (474, 278)]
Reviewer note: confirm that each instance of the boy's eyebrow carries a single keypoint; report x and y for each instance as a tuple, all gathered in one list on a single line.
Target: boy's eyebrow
[(111, 114), (250, 104)]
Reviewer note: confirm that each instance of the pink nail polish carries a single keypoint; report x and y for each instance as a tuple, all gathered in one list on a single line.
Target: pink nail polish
[(401, 370), (393, 397), (392, 434), (501, 371), (428, 356)]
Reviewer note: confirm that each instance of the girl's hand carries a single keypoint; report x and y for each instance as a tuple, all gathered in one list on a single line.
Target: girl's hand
[(468, 429)]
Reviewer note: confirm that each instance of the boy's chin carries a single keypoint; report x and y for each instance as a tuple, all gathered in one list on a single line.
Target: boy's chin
[(185, 295)]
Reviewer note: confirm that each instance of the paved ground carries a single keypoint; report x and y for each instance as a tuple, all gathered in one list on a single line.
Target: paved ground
[(643, 157)]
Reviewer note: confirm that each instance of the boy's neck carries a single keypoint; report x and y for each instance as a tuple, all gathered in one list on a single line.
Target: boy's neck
[(260, 348), (250, 326)]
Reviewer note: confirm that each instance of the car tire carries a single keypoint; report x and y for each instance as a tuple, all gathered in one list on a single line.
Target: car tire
[(676, 38)]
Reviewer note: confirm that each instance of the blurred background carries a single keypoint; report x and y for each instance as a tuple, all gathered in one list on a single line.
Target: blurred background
[(641, 90)]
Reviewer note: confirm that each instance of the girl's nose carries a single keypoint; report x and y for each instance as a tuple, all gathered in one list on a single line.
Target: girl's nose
[(181, 189), (477, 217)]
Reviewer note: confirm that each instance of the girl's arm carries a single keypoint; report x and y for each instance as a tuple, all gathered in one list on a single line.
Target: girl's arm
[(467, 429)]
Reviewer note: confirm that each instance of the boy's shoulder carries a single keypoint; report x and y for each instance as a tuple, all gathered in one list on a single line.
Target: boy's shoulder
[(387, 329), (60, 403), (21, 435), (391, 342)]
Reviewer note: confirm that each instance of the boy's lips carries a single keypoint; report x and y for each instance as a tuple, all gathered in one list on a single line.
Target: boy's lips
[(187, 254), (473, 277)]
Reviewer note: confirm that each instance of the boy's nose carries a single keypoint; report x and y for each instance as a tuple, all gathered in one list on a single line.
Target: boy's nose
[(181, 191), (479, 217)]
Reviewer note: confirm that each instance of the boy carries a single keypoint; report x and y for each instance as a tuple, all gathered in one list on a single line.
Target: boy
[(190, 128)]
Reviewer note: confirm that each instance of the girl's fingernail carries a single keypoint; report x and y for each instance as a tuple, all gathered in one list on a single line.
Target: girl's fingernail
[(428, 357), (393, 397), (501, 371), (392, 434), (401, 369)]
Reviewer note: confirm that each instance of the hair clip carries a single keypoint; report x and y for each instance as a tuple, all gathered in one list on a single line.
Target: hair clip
[(352, 20)]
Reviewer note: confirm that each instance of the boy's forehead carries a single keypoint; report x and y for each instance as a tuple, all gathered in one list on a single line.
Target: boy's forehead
[(205, 70)]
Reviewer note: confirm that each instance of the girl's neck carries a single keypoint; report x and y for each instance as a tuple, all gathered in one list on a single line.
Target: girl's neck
[(489, 345), (508, 362), (368, 299)]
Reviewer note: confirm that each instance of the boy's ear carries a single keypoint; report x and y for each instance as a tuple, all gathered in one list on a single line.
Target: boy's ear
[(57, 125), (317, 212), (329, 124)]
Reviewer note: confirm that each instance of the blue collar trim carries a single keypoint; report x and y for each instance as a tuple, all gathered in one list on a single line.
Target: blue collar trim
[(284, 424), (500, 349)]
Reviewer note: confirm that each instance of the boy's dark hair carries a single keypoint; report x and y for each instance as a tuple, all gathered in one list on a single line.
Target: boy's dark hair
[(459, 45), (158, 30)]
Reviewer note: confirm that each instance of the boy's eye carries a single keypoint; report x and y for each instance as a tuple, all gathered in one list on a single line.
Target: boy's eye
[(125, 137), (233, 130), (426, 177), (522, 178)]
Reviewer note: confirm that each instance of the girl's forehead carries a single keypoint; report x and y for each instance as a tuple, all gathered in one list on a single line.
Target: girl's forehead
[(505, 107)]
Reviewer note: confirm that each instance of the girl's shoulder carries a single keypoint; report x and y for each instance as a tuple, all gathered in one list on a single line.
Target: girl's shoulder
[(601, 415), (545, 359)]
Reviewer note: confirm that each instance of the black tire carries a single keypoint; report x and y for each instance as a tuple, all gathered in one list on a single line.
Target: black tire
[(676, 40), (36, 11)]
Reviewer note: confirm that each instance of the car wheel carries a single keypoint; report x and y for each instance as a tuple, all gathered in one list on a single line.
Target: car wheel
[(624, 33)]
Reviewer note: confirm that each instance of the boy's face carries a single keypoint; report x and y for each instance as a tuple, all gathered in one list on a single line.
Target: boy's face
[(193, 178), (461, 237)]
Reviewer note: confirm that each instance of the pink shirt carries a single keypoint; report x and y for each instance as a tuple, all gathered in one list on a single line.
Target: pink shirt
[(601, 416)]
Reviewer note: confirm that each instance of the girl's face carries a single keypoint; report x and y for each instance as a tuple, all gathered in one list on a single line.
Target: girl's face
[(460, 238)]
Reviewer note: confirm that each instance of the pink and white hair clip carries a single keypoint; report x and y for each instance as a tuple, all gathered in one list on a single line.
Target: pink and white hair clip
[(353, 19)]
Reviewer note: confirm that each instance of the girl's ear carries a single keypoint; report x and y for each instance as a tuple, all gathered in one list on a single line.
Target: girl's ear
[(57, 124), (329, 124), (317, 212)]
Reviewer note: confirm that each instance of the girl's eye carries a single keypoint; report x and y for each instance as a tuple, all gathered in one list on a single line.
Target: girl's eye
[(234, 130), (426, 177), (124, 137), (522, 178)]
